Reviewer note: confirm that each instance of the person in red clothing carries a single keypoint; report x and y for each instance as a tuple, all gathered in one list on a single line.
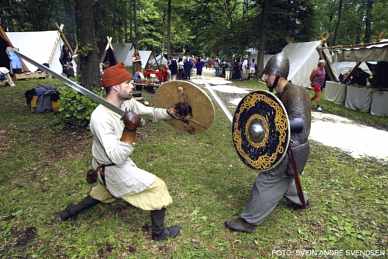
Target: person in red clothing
[(162, 73), (317, 78), (148, 71)]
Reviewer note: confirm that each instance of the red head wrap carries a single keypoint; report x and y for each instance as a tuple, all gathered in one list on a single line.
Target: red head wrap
[(115, 75)]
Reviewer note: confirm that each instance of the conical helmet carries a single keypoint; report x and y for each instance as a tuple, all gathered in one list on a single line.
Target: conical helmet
[(278, 65)]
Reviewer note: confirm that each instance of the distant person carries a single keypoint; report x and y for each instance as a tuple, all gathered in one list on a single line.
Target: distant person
[(318, 80), (187, 66), (217, 67), (148, 71), (245, 69), (180, 74), (162, 73), (228, 70), (5, 75), (173, 68), (138, 76), (199, 66), (236, 70), (252, 69), (66, 61), (15, 63)]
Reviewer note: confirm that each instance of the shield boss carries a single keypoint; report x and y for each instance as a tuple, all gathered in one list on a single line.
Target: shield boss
[(176, 91), (261, 132)]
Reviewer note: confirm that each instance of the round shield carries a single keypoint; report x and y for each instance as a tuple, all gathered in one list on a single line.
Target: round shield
[(261, 132), (177, 91)]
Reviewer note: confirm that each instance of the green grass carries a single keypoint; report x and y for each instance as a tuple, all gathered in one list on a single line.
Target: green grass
[(42, 169)]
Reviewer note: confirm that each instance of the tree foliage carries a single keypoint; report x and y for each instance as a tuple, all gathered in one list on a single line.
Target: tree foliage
[(201, 27), (353, 24)]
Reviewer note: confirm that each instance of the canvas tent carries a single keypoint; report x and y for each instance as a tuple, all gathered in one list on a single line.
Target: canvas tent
[(160, 60), (303, 58), (42, 46), (108, 55), (124, 53), (145, 56), (373, 52), (361, 97)]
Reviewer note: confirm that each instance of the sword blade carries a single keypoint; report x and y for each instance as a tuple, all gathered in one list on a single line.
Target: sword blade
[(73, 85)]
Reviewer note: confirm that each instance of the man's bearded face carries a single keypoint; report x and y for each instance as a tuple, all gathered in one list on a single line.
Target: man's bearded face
[(126, 89), (269, 80)]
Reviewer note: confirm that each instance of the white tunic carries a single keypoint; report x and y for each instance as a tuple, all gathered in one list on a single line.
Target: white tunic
[(107, 127)]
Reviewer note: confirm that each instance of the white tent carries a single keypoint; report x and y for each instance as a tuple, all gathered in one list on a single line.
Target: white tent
[(160, 59), (360, 97), (145, 56), (303, 58), (124, 53), (42, 46)]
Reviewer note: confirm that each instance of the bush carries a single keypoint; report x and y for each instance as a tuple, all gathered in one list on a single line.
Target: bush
[(75, 109)]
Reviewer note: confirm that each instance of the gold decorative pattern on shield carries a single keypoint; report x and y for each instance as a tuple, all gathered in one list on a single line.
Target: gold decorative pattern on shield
[(260, 130)]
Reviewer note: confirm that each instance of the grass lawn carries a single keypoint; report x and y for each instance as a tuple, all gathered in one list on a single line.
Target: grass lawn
[(43, 165)]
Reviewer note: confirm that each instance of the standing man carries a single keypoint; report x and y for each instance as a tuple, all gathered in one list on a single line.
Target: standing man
[(113, 143), (15, 63), (318, 79), (199, 66), (271, 186), (252, 69), (173, 68), (187, 66), (66, 61)]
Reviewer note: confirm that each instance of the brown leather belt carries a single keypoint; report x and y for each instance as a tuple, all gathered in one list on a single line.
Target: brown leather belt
[(101, 172)]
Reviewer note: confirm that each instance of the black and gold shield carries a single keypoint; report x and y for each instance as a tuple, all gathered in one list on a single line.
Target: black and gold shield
[(202, 108), (261, 132)]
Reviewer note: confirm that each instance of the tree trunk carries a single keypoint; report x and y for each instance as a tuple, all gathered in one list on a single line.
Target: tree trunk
[(338, 22), (169, 27), (69, 21), (130, 22), (126, 21), (262, 36), (245, 7), (134, 17), (368, 21), (164, 34), (88, 54)]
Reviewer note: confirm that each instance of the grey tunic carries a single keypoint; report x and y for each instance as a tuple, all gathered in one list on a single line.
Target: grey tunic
[(270, 187)]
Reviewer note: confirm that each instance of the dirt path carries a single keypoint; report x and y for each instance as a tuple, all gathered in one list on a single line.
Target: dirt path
[(331, 130)]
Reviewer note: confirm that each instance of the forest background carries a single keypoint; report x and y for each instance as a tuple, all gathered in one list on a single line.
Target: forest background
[(221, 28)]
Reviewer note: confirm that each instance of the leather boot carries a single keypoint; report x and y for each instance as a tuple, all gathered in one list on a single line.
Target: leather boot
[(240, 225), (74, 209), (159, 232)]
